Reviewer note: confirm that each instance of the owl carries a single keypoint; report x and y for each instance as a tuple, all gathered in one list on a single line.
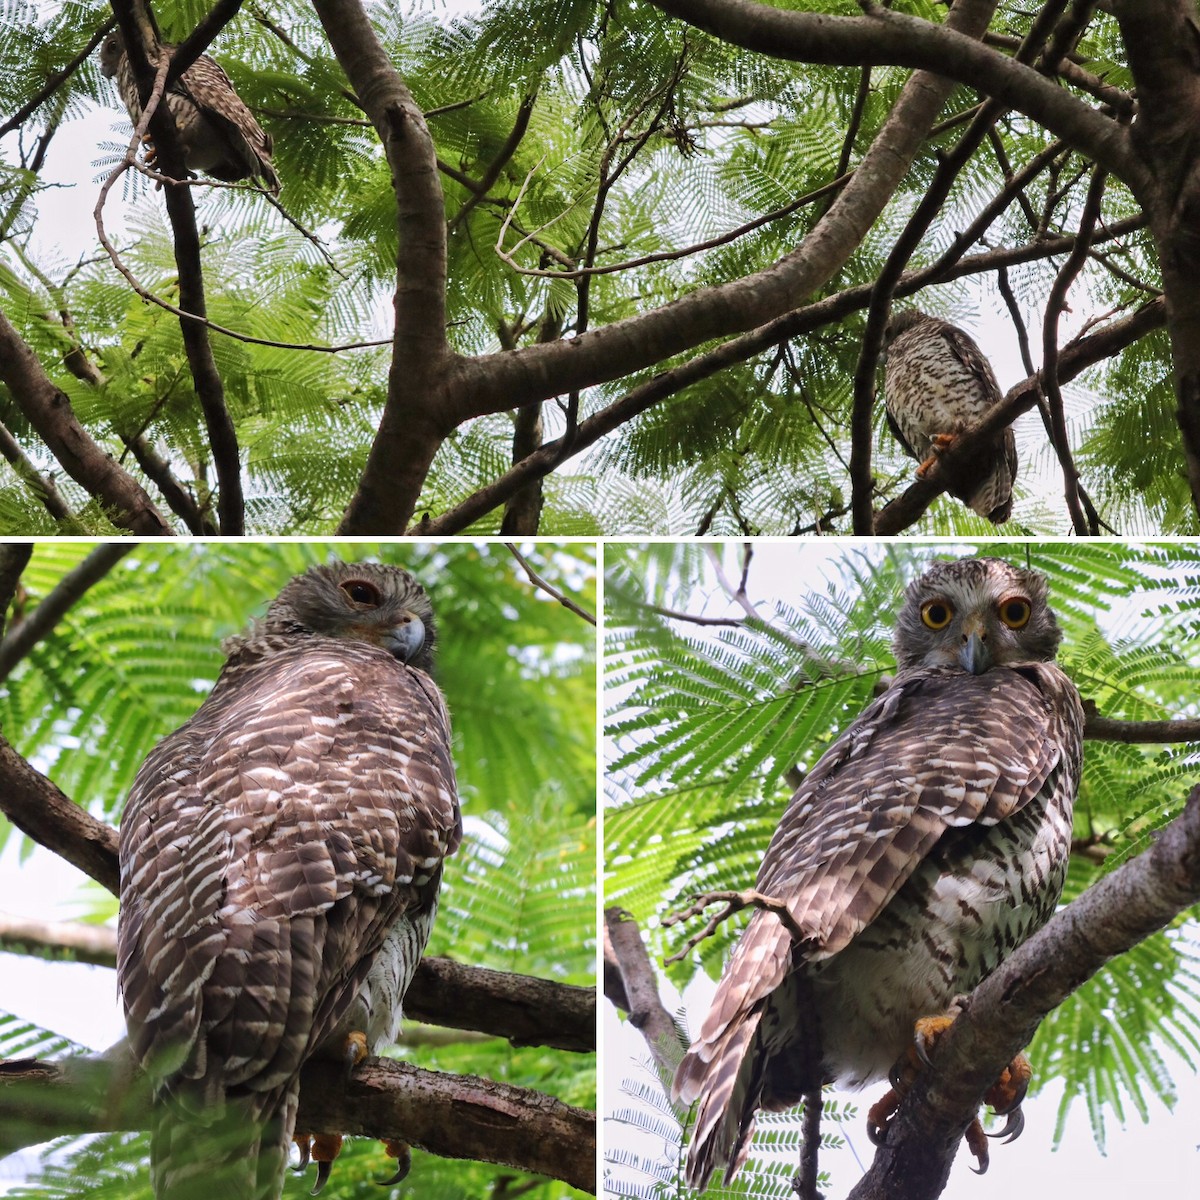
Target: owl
[(280, 858), (928, 842), (938, 383), (217, 132)]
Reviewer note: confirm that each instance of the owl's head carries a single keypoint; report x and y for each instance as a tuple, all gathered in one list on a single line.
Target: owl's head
[(976, 613), (366, 602), (111, 50)]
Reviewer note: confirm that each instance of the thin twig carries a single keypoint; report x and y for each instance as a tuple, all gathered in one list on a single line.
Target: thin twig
[(69, 590), (734, 902), (548, 588)]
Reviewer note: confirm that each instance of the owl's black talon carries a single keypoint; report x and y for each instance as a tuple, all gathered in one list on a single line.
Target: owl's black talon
[(323, 1171), (1013, 1127), (402, 1153), (982, 1168)]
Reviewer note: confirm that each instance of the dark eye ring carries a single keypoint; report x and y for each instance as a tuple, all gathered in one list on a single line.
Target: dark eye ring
[(936, 614), (1015, 612), (362, 593)]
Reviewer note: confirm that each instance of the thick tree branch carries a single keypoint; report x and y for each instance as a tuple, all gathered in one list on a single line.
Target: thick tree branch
[(799, 321), (1137, 899), (417, 414), (522, 1009), (452, 1116), (883, 37), (38, 809), (71, 588), (73, 941), (37, 483), (49, 411), (14, 556), (630, 984)]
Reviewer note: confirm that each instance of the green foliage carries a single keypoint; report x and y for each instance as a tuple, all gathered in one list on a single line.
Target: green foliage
[(707, 723), (137, 654), (646, 140)]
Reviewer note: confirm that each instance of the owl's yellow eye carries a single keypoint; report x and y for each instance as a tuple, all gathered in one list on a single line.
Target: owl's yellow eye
[(1015, 612), (936, 614)]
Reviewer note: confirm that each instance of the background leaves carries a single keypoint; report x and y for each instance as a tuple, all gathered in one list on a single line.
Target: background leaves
[(136, 656)]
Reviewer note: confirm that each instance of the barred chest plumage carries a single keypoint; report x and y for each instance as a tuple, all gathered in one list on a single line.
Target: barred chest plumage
[(965, 909)]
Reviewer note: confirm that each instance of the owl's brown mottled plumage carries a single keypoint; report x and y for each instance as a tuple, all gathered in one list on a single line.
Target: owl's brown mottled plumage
[(281, 855), (929, 840), (219, 134), (938, 382)]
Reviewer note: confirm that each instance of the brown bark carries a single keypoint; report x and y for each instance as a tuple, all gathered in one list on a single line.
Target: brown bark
[(49, 411), (453, 1116)]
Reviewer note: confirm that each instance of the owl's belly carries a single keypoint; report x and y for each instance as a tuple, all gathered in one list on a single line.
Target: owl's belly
[(377, 1007), (943, 933)]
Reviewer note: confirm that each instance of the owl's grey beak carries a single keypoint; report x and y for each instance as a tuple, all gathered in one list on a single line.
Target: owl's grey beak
[(405, 640), (975, 656)]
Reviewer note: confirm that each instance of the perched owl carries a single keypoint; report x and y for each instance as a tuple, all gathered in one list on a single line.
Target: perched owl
[(929, 840), (218, 133), (938, 383), (281, 855)]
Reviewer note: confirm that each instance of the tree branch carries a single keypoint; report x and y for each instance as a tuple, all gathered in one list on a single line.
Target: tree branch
[(39, 810), (542, 585), (630, 984), (417, 414), (14, 556), (452, 1116), (49, 411), (799, 321), (883, 37), (1137, 899)]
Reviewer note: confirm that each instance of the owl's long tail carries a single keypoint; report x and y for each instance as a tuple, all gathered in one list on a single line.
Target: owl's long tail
[(239, 1154), (728, 1086), (724, 1069)]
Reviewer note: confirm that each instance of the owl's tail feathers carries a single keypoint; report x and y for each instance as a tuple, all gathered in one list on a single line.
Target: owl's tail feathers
[(236, 1153), (727, 1080)]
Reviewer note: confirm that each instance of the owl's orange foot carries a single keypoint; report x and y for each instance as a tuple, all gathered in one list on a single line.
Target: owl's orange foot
[(939, 444), (323, 1148), (1004, 1096)]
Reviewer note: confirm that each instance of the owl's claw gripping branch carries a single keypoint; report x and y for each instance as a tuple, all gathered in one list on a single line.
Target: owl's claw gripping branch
[(1004, 1096), (402, 1153), (939, 444), (323, 1148)]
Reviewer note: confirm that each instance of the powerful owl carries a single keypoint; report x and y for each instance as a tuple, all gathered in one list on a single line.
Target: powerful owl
[(929, 840), (938, 383), (281, 855), (217, 132)]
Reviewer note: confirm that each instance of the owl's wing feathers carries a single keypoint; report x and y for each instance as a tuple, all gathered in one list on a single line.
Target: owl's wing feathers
[(968, 353), (939, 749), (309, 779)]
